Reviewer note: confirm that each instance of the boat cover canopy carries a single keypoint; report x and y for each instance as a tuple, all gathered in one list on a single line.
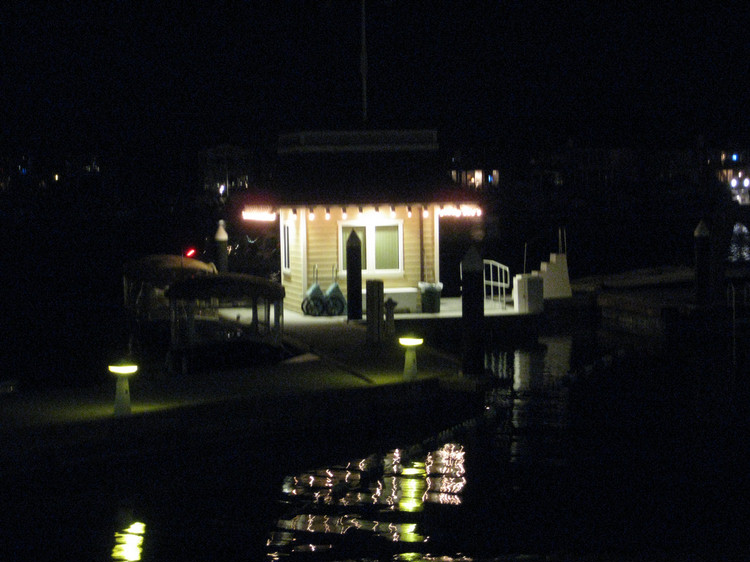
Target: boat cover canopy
[(161, 270), (225, 286)]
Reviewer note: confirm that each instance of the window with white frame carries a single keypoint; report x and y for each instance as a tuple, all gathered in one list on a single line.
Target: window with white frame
[(382, 245)]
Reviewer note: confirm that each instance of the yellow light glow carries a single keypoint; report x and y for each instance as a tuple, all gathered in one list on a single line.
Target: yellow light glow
[(343, 213), (123, 369), (311, 214), (259, 214), (408, 212), (136, 528), (408, 533), (409, 341), (411, 505), (412, 494), (425, 212), (460, 211), (328, 214), (128, 547), (129, 544)]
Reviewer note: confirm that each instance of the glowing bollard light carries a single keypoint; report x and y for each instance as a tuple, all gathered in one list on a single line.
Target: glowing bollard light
[(410, 361), (123, 370)]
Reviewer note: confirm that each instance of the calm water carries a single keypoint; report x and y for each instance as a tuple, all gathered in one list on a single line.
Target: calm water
[(617, 462), (613, 460)]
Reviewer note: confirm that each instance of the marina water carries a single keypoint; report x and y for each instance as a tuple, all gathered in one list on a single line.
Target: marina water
[(574, 454)]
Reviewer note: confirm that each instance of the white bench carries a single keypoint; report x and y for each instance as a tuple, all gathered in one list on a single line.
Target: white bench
[(407, 298)]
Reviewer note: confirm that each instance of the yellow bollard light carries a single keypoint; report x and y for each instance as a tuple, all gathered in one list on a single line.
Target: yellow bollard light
[(123, 370), (410, 361)]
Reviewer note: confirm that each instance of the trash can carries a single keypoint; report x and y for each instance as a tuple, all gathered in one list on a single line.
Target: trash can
[(430, 293)]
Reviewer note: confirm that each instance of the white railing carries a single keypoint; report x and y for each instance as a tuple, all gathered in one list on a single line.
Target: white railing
[(496, 281)]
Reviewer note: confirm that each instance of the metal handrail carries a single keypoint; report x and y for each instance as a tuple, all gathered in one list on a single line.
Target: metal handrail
[(499, 280)]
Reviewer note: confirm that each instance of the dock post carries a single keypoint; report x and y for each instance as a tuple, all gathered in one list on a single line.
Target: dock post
[(390, 322), (375, 310), (354, 277), (703, 273), (472, 314)]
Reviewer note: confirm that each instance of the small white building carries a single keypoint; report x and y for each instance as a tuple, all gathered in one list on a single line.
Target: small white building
[(390, 187)]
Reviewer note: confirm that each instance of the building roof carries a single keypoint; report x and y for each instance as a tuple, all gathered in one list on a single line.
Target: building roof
[(337, 167)]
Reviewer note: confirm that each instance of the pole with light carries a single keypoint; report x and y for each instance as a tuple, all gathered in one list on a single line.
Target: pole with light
[(123, 369), (410, 360), (221, 239)]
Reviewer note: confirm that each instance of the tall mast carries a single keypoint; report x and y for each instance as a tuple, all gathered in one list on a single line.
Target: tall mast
[(363, 67)]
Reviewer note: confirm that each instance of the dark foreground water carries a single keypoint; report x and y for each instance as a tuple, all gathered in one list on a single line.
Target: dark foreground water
[(571, 458), (620, 462)]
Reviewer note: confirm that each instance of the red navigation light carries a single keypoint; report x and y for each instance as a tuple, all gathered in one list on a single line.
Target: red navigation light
[(190, 253)]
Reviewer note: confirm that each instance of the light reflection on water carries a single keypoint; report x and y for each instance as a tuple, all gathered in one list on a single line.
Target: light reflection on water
[(129, 537), (128, 544), (377, 499), (397, 501), (739, 246)]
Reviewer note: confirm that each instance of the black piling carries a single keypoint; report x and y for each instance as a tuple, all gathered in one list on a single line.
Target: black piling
[(375, 311), (354, 277), (703, 273), (472, 314)]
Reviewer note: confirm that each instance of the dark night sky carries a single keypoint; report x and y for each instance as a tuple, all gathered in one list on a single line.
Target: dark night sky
[(177, 76), (149, 84)]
